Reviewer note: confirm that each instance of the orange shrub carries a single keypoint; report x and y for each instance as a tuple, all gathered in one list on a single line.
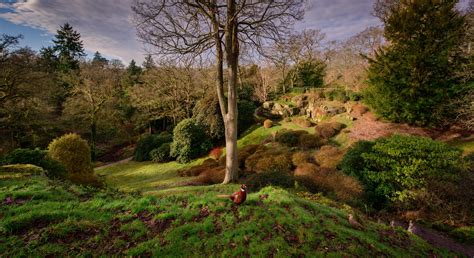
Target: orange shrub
[(268, 160), (268, 123), (211, 176), (300, 157), (329, 156), (306, 170), (215, 153), (303, 122), (310, 141)]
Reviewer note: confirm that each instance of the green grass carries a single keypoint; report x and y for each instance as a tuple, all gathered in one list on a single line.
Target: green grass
[(146, 177), (466, 145), (57, 219)]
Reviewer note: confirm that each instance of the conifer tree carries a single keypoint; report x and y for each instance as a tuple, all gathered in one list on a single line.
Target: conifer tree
[(414, 77), (69, 48)]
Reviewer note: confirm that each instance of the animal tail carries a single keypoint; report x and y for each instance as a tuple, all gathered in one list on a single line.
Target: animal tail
[(223, 196)]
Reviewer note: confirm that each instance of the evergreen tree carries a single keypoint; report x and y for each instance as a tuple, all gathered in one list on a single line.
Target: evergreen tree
[(414, 77), (149, 63), (69, 48), (99, 60)]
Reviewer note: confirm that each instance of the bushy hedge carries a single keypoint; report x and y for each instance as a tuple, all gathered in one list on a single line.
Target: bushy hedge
[(189, 141), (162, 153), (399, 169), (273, 177), (289, 138), (74, 154), (37, 157), (148, 143)]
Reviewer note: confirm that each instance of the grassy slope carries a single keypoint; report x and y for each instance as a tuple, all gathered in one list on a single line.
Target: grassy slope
[(58, 219)]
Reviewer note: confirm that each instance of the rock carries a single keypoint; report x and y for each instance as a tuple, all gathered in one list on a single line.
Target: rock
[(267, 104)]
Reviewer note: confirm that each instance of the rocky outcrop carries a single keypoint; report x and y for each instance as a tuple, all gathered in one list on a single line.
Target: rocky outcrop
[(309, 105)]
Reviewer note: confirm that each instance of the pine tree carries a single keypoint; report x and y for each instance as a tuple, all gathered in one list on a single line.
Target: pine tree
[(69, 48), (99, 60), (414, 77)]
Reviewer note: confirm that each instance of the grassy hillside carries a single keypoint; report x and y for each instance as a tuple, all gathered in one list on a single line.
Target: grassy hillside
[(42, 218)]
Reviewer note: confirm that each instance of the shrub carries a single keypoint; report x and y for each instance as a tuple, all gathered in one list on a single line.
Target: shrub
[(25, 169), (329, 181), (399, 169), (37, 157), (266, 160), (75, 155), (300, 157), (148, 143), (354, 96), (213, 175), (309, 73), (189, 141), (329, 156), (216, 153), (161, 154), (199, 169), (303, 122), (267, 123), (246, 117), (310, 141), (289, 138), (336, 94), (327, 130), (306, 169), (353, 163), (258, 181)]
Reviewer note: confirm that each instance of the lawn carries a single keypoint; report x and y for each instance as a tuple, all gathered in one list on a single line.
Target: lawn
[(46, 218)]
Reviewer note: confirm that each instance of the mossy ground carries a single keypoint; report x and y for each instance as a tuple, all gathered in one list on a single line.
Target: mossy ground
[(45, 218)]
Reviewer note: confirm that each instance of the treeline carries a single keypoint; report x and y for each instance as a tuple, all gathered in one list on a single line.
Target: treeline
[(58, 90)]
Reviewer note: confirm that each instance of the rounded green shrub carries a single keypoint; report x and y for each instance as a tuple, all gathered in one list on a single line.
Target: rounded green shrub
[(399, 169), (189, 141), (162, 153), (74, 154), (148, 143)]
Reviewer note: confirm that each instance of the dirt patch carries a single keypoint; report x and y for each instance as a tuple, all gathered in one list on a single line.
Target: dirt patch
[(367, 127)]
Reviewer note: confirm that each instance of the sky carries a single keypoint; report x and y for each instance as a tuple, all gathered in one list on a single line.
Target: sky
[(105, 25)]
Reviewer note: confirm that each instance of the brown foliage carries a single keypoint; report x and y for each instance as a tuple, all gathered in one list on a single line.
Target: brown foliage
[(329, 156), (268, 123), (268, 160), (327, 130), (303, 122), (310, 141), (211, 176), (199, 169), (320, 179), (301, 157)]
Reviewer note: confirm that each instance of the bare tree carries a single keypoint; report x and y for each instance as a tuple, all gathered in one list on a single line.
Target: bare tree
[(202, 27)]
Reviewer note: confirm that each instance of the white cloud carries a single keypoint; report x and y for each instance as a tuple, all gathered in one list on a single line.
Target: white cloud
[(105, 26)]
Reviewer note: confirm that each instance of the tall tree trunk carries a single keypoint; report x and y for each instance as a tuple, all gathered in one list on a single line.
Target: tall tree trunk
[(230, 120)]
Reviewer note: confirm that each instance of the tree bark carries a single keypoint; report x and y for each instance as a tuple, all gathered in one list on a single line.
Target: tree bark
[(230, 120)]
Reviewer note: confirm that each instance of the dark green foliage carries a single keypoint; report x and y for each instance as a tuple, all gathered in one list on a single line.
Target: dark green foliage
[(148, 143), (37, 157), (397, 169), (353, 163), (69, 48), (354, 96), (338, 94), (189, 141), (289, 138), (414, 78), (273, 177), (99, 60), (162, 153), (246, 110), (207, 114), (309, 73)]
